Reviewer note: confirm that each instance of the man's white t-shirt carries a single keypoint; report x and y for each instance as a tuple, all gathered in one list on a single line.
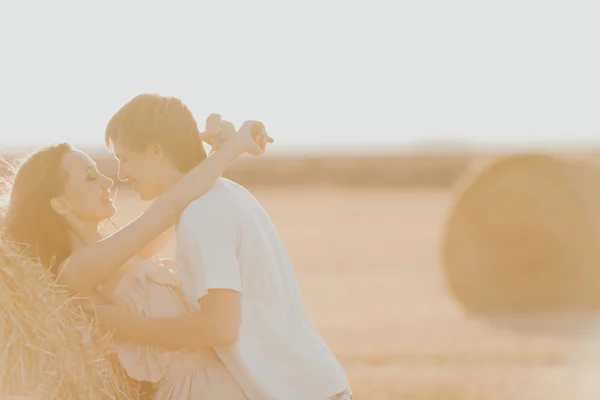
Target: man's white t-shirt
[(225, 240)]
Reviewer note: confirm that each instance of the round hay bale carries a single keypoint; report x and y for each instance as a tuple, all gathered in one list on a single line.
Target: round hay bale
[(48, 348), (524, 236)]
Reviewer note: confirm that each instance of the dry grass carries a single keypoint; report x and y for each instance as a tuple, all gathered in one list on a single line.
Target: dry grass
[(48, 348), (367, 262), (368, 266)]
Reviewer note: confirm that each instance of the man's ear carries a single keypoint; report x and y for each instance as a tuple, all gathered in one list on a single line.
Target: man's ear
[(60, 205), (157, 151)]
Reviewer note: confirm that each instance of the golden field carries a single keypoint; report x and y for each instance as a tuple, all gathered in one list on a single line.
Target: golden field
[(364, 235), (367, 262)]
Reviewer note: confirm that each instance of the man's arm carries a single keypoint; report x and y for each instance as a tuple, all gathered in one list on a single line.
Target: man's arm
[(216, 324), (208, 242)]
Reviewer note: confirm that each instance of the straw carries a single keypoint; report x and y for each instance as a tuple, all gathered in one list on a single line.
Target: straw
[(49, 349), (523, 236)]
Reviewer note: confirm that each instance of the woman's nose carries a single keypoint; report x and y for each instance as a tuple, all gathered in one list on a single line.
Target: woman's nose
[(107, 182)]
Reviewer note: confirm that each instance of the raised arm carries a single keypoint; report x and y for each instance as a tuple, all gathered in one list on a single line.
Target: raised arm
[(96, 262), (157, 244)]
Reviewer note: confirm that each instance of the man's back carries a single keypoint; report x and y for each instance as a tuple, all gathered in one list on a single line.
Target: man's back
[(279, 354)]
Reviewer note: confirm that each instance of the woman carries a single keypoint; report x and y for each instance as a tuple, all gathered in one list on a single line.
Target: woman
[(57, 203)]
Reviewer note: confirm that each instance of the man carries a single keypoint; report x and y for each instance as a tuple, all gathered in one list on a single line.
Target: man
[(233, 267)]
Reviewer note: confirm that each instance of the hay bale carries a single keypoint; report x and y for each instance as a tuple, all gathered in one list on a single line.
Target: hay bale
[(524, 236), (48, 348)]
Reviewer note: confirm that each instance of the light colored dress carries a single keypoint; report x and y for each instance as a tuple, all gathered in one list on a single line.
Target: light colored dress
[(153, 290)]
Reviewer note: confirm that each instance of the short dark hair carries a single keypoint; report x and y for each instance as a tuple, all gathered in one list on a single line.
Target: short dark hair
[(155, 119)]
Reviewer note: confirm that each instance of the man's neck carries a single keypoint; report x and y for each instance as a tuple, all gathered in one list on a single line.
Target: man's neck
[(169, 178)]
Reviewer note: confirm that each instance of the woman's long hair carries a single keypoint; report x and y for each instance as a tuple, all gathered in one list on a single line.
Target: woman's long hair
[(29, 220)]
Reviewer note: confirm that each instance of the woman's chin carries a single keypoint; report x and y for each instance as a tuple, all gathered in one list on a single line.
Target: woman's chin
[(109, 211)]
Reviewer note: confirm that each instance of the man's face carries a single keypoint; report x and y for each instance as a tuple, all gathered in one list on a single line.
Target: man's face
[(141, 169)]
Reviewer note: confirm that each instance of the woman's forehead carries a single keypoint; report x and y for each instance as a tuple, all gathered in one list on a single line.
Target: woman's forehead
[(77, 160)]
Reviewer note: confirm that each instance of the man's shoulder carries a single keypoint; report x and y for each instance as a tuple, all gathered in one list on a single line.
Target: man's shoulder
[(233, 187), (221, 196)]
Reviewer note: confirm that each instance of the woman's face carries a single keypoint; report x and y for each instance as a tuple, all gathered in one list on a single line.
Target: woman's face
[(86, 194)]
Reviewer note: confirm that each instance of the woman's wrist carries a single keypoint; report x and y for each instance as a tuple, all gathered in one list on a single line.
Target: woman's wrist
[(233, 148)]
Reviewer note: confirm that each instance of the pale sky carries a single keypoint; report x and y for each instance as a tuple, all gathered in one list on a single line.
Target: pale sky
[(329, 74)]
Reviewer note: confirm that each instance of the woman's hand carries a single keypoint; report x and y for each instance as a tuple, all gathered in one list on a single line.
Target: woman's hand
[(252, 137), (217, 131)]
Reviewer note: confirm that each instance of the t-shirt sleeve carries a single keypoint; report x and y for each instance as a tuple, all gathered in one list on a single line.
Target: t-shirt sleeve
[(209, 246)]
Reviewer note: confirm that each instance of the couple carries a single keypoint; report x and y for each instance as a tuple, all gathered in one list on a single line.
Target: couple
[(225, 319)]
